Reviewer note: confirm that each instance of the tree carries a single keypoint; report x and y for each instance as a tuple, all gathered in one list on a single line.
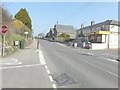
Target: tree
[(64, 36), (23, 16)]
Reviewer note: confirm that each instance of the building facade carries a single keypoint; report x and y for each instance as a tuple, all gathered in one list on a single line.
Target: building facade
[(104, 35), (59, 29)]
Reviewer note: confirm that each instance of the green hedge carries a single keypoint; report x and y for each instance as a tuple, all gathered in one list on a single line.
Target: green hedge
[(9, 42), (14, 37)]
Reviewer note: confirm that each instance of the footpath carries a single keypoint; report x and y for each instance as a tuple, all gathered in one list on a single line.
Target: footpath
[(22, 56)]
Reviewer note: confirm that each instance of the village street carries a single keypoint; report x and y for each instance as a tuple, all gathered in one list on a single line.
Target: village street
[(55, 65)]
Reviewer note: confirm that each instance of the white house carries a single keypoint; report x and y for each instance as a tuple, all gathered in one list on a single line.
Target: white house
[(102, 35)]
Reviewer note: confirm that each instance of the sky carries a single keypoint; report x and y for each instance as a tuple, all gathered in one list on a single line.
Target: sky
[(45, 15)]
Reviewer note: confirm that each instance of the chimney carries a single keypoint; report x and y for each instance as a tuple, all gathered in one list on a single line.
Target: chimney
[(57, 22), (92, 23), (82, 25)]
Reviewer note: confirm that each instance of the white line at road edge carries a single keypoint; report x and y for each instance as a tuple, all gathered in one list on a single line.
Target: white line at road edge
[(48, 72), (111, 60), (54, 86), (61, 44), (42, 62), (103, 69), (20, 66)]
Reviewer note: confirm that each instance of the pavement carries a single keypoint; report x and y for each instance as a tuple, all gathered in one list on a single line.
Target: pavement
[(9, 61)]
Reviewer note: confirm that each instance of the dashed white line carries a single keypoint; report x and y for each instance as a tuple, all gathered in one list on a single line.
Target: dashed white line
[(46, 67), (48, 72), (42, 62), (51, 79), (54, 86)]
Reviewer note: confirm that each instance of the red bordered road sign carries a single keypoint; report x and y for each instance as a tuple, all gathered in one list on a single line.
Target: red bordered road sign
[(4, 29)]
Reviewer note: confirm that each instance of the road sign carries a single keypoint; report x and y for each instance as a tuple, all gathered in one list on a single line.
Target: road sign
[(4, 29), (26, 32)]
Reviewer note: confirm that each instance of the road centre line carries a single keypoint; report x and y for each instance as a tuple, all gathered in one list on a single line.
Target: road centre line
[(19, 66)]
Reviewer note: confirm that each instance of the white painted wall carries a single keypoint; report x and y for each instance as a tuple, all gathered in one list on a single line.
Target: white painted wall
[(113, 38), (97, 46)]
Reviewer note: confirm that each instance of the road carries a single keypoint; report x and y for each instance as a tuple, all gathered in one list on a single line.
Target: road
[(88, 71), (55, 65)]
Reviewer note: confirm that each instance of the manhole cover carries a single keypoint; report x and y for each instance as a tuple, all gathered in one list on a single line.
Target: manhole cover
[(63, 79)]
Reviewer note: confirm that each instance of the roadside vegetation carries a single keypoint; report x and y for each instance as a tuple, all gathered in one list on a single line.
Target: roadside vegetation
[(64, 36), (17, 26)]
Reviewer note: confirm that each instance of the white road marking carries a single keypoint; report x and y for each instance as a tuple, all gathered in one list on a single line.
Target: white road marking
[(46, 67), (20, 63), (89, 53), (41, 58), (48, 72), (102, 69), (61, 44), (51, 79), (11, 63), (54, 86), (113, 60), (19, 66), (42, 62)]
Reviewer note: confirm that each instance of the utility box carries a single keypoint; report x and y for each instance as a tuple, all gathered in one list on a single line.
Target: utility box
[(75, 45), (22, 44)]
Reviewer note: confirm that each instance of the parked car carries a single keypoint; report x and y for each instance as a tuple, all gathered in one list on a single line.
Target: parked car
[(88, 45), (51, 40)]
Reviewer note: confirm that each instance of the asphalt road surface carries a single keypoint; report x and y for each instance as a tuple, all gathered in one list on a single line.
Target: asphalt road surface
[(71, 67)]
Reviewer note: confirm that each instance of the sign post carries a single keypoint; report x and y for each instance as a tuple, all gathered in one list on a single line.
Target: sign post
[(4, 30), (26, 35)]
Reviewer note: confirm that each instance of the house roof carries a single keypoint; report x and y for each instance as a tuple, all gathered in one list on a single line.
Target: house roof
[(107, 22), (64, 28)]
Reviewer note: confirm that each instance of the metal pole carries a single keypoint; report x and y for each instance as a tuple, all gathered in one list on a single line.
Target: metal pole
[(3, 44)]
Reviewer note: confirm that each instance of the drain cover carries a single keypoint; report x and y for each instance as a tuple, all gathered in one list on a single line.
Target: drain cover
[(63, 79)]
